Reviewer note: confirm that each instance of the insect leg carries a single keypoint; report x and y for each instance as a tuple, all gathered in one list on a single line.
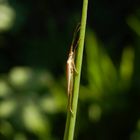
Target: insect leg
[(70, 104), (74, 67)]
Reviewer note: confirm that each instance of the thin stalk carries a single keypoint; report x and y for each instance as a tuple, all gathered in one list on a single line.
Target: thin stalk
[(71, 119)]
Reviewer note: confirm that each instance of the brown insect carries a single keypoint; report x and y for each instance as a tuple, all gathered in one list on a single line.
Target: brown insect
[(71, 69)]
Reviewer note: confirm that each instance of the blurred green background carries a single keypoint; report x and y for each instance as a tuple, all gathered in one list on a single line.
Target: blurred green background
[(35, 38)]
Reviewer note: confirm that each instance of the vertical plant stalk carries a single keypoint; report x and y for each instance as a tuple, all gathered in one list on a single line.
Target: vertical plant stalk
[(71, 119)]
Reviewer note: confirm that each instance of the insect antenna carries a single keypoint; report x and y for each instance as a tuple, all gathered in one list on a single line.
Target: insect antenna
[(75, 37)]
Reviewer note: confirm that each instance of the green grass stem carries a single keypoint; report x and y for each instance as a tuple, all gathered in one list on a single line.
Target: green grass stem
[(71, 119)]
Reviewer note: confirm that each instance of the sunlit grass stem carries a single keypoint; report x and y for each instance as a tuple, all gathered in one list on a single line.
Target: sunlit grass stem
[(71, 119)]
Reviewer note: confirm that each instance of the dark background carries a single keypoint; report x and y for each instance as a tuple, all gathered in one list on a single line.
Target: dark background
[(35, 37)]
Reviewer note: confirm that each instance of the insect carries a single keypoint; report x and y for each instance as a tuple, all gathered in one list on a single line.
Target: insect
[(71, 69)]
